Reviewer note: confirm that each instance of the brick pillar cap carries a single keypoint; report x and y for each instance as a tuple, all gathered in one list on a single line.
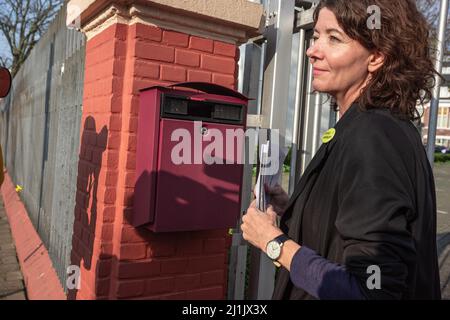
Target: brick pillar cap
[(245, 18)]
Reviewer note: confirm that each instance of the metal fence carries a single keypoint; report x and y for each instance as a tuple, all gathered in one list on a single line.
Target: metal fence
[(40, 135)]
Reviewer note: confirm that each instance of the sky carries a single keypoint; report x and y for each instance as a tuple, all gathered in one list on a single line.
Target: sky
[(4, 50)]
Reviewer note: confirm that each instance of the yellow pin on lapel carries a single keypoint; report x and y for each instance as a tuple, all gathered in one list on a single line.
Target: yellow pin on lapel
[(329, 135)]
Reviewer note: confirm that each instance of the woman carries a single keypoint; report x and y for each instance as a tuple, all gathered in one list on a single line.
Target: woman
[(361, 223)]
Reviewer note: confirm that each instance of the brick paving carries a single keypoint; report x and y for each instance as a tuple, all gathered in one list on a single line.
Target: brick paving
[(442, 179), (11, 279)]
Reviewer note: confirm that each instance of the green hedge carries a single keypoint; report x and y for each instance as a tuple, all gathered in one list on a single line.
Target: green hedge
[(442, 157)]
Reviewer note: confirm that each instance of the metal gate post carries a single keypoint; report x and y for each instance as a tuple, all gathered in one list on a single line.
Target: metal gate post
[(434, 107), (297, 109), (279, 30), (249, 85)]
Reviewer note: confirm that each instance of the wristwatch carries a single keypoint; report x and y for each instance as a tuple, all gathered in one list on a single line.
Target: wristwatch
[(273, 248)]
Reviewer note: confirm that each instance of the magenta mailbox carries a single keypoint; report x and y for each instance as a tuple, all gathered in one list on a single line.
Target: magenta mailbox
[(183, 180)]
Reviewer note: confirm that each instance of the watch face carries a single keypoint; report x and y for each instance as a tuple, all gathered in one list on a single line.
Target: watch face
[(273, 250)]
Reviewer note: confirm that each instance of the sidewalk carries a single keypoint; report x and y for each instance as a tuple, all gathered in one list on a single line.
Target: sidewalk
[(442, 180), (444, 264), (11, 279)]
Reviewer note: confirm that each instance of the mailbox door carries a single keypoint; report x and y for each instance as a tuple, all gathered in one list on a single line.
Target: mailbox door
[(193, 195)]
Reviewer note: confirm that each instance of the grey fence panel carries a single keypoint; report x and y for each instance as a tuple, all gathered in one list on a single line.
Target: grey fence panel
[(66, 161), (40, 135)]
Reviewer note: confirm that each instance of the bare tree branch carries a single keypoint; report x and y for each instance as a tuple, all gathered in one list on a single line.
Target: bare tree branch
[(5, 62), (431, 11), (22, 23)]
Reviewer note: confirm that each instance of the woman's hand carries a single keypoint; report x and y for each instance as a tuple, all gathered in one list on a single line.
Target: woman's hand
[(258, 227), (278, 198)]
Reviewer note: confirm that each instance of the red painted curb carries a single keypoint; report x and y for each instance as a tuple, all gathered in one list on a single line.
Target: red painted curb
[(41, 280)]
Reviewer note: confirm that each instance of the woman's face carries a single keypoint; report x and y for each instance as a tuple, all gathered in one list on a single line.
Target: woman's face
[(340, 64)]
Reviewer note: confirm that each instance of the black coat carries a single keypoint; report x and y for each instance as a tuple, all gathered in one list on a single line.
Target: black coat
[(368, 198)]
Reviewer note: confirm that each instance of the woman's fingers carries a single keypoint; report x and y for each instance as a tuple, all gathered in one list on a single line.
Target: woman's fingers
[(272, 214), (259, 227), (278, 197), (275, 190)]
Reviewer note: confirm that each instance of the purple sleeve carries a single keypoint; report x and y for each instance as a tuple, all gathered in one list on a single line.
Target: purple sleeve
[(322, 278)]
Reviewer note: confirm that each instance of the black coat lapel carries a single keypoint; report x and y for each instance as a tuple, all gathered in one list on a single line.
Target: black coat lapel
[(321, 155), (292, 219), (312, 167)]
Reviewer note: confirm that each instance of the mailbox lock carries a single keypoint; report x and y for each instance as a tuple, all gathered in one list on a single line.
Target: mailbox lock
[(204, 131)]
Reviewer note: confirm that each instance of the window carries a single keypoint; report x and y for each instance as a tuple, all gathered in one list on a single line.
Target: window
[(443, 118), (443, 141)]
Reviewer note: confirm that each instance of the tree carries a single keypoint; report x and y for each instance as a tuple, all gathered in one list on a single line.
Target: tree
[(22, 23), (431, 11)]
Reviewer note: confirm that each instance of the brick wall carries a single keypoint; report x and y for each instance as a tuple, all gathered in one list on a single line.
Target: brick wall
[(119, 261)]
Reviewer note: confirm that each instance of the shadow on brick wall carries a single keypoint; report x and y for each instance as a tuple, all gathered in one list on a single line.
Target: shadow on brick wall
[(93, 145)]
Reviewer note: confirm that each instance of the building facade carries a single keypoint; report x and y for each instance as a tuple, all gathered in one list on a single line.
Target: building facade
[(443, 122)]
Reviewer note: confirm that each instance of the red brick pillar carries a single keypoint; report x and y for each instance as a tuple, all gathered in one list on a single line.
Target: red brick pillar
[(126, 52)]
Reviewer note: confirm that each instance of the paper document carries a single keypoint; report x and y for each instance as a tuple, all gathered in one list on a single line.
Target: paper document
[(269, 172)]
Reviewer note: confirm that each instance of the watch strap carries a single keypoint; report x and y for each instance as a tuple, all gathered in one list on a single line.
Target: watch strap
[(281, 239)]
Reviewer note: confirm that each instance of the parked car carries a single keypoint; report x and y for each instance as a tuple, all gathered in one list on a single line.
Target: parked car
[(441, 149)]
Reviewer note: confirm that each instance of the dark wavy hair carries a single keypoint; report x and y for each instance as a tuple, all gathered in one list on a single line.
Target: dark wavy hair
[(408, 74)]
